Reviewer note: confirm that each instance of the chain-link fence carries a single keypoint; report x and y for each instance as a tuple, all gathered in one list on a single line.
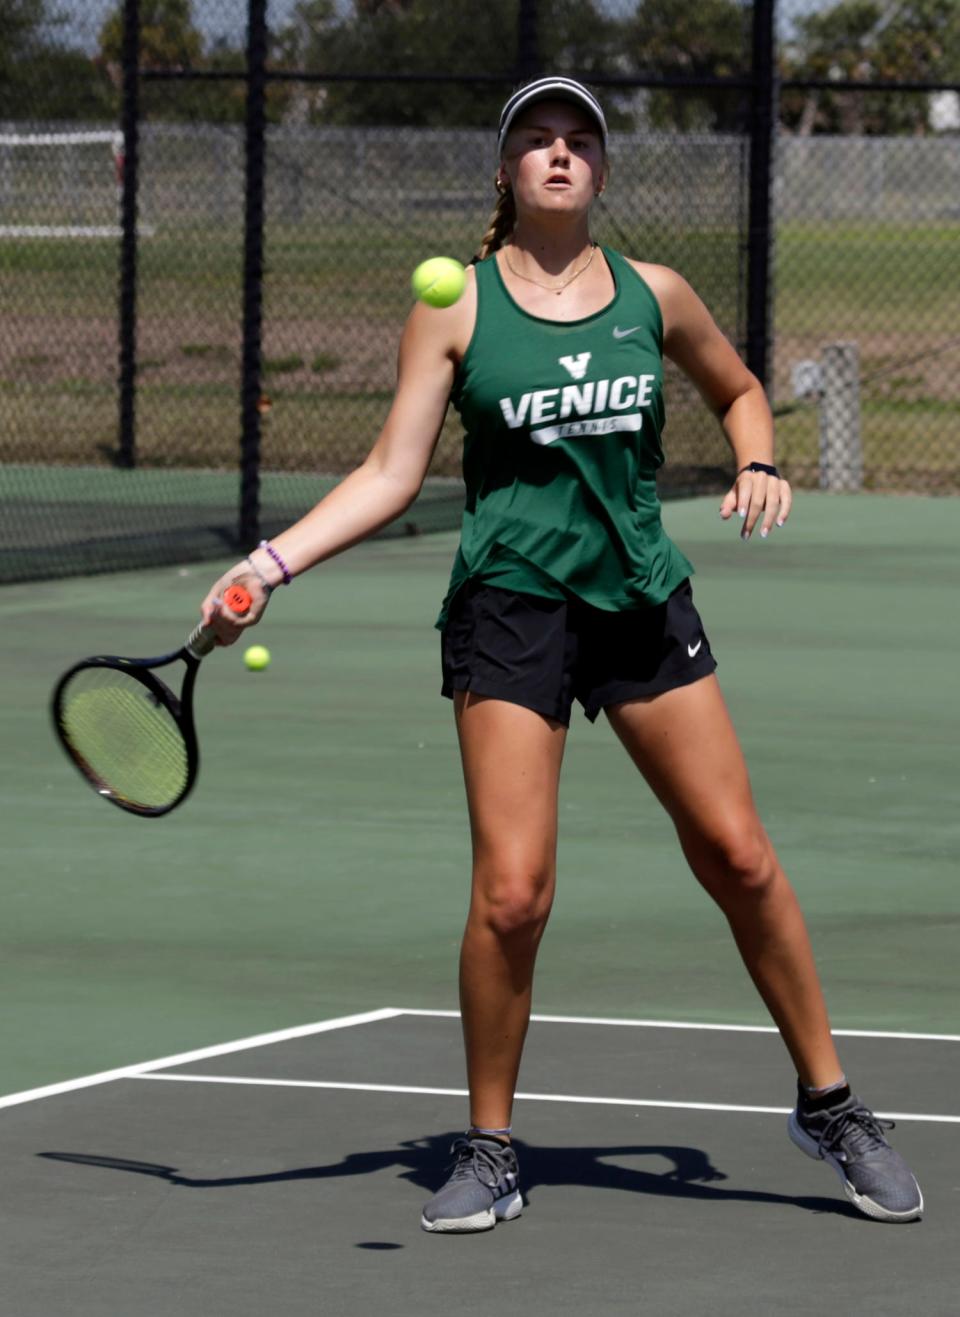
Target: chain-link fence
[(867, 203), (252, 357)]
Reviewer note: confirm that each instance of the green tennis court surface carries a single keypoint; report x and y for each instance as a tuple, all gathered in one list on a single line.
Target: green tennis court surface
[(320, 871)]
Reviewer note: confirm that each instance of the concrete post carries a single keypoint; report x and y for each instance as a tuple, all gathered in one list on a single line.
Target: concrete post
[(841, 452)]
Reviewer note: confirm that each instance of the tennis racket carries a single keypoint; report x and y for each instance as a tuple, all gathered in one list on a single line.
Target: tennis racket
[(130, 736)]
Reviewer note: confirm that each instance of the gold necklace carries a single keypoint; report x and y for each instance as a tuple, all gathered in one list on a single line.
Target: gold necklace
[(551, 288)]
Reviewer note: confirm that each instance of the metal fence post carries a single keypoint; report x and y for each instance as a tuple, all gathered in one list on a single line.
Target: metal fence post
[(126, 438), (249, 521), (763, 118), (528, 46)]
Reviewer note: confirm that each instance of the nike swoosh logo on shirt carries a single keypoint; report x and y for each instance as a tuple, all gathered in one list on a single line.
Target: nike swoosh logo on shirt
[(694, 650), (622, 333)]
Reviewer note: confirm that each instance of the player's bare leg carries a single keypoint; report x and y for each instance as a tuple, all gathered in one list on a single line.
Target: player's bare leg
[(684, 744), (511, 763)]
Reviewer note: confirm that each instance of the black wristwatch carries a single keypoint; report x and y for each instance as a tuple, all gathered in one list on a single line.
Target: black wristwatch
[(760, 466)]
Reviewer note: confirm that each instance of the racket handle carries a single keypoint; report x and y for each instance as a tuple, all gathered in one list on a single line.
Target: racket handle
[(202, 639)]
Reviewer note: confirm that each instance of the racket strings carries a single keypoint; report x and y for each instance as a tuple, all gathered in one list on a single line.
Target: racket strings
[(124, 739)]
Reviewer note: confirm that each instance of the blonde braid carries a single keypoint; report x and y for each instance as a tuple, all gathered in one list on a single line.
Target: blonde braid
[(501, 225)]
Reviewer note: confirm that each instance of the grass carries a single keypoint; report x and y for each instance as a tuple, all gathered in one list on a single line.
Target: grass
[(913, 445), (207, 351), (33, 359), (336, 293), (869, 278), (198, 426), (282, 365)]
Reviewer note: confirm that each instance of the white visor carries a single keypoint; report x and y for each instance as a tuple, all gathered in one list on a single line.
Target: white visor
[(550, 89)]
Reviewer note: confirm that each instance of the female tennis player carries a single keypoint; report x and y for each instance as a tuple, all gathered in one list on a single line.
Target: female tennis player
[(566, 588)]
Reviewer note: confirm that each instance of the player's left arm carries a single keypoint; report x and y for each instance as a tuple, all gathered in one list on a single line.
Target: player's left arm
[(692, 339)]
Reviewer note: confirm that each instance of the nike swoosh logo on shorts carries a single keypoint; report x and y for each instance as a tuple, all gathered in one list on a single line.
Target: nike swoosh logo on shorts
[(622, 333), (694, 650)]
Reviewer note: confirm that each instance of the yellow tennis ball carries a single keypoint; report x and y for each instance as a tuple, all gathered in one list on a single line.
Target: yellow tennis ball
[(257, 657), (439, 281)]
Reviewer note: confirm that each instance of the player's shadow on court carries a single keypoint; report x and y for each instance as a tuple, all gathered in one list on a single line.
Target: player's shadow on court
[(689, 1172)]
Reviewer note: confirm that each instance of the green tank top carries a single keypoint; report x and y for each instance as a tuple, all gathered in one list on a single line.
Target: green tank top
[(562, 445)]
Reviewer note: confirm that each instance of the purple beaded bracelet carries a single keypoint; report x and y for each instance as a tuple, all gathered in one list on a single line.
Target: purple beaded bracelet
[(268, 548)]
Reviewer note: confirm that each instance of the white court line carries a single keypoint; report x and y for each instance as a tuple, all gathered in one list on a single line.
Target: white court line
[(199, 1054), (522, 1097), (392, 1012), (720, 1028)]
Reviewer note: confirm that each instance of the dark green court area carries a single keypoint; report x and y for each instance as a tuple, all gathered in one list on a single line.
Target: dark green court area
[(288, 1176)]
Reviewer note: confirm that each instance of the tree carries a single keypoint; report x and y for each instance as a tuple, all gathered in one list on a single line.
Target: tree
[(919, 42), (411, 38), (865, 40), (920, 39), (708, 39), (67, 85), (19, 20), (170, 40), (437, 36), (40, 77), (168, 37), (20, 23)]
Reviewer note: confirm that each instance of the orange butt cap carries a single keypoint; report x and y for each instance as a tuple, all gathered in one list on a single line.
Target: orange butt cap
[(237, 599)]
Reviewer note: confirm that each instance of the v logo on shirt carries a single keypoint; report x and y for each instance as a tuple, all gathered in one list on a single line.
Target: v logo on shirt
[(577, 366)]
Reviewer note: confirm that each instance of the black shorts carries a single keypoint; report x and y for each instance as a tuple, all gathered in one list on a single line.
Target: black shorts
[(544, 653)]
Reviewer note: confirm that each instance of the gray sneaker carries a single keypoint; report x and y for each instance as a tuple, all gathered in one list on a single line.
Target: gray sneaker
[(483, 1188), (850, 1138)]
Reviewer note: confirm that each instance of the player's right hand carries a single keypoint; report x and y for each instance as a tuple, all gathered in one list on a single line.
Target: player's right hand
[(227, 625)]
